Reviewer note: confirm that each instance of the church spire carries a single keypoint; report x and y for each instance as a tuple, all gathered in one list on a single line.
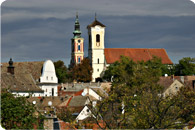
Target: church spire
[(77, 32), (95, 16)]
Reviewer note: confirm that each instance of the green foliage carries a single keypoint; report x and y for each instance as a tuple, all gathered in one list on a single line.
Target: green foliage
[(16, 112), (186, 66), (162, 69), (61, 71), (82, 72), (65, 115), (135, 92)]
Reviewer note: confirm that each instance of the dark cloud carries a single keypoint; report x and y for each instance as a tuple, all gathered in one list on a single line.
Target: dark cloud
[(40, 30)]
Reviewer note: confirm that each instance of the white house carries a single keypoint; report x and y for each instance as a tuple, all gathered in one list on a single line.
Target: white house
[(48, 79)]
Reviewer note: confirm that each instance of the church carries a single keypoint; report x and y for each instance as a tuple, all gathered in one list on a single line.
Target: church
[(101, 57)]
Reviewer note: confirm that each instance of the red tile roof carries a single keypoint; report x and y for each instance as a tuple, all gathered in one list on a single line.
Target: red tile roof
[(136, 54)]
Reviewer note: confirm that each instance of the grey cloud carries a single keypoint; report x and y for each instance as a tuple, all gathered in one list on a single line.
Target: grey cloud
[(40, 30)]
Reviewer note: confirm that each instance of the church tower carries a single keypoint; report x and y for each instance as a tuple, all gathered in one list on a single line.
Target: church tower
[(96, 32), (77, 49)]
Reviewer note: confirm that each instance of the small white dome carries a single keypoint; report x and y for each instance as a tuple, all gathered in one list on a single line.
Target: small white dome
[(48, 73), (48, 66)]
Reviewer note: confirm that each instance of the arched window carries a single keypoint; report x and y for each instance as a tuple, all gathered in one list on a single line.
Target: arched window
[(79, 59), (97, 38), (79, 47), (98, 60)]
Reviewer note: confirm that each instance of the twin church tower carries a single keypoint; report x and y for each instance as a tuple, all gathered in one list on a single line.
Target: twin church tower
[(96, 32)]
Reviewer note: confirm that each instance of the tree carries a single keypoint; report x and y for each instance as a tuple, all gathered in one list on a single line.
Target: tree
[(164, 69), (16, 112), (61, 72), (82, 72), (186, 66), (136, 100)]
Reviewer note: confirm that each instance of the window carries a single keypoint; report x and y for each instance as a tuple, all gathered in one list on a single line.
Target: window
[(97, 70), (51, 78), (98, 60), (97, 38), (52, 92), (79, 47), (79, 59), (47, 77)]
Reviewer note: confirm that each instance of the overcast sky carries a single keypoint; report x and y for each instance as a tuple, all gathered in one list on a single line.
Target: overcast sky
[(37, 30)]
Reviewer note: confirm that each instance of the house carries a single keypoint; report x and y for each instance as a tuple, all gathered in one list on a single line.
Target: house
[(30, 78), (20, 84), (48, 80), (72, 88), (80, 101), (47, 105), (172, 84)]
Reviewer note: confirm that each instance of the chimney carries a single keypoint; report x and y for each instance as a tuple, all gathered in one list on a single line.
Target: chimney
[(173, 77), (182, 79), (10, 68)]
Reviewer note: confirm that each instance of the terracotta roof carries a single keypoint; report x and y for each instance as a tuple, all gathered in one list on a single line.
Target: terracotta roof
[(94, 23), (19, 83), (136, 54), (34, 68)]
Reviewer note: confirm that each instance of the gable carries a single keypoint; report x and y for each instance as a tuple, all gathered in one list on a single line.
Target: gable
[(138, 54)]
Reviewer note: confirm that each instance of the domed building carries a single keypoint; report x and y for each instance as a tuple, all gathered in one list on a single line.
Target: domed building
[(48, 80)]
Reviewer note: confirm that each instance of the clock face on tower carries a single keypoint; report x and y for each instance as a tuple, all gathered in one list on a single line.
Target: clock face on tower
[(97, 28)]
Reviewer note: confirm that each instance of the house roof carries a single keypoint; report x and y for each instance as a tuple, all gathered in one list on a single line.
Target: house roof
[(70, 87), (42, 102), (136, 54), (19, 83), (165, 82), (94, 23), (77, 101), (99, 91), (34, 68)]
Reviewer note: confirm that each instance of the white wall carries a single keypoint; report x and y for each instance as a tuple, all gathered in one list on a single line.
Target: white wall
[(25, 94), (97, 52), (49, 76), (84, 114), (48, 89), (92, 93)]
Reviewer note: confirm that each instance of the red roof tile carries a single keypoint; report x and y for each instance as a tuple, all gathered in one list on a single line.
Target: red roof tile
[(136, 54), (78, 93)]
